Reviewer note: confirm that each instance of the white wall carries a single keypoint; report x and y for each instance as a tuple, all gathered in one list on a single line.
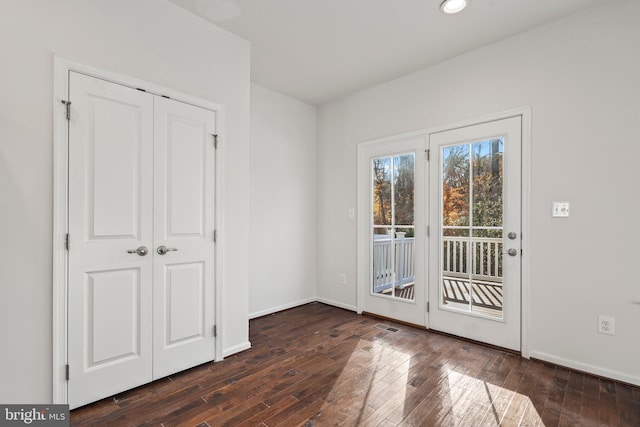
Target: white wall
[(282, 228), (146, 39), (580, 77)]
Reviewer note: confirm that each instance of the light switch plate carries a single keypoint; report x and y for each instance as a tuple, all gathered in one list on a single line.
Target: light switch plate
[(560, 209)]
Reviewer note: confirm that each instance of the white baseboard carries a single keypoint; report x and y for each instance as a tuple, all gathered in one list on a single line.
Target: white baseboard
[(337, 304), (236, 349), (585, 367), (280, 308)]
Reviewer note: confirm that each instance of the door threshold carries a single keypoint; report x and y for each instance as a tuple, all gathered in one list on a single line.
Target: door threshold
[(391, 319), (482, 343)]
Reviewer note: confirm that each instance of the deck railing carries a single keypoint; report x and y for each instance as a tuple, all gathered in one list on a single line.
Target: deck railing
[(384, 249), (486, 257)]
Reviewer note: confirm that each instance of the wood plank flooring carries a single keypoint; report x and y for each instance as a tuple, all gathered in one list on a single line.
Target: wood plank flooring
[(317, 365)]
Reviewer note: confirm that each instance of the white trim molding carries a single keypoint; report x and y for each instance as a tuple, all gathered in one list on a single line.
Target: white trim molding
[(235, 349), (587, 368), (337, 304), (281, 308), (60, 199)]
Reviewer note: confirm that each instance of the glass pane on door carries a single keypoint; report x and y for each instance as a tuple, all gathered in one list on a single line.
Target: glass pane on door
[(471, 232), (393, 241)]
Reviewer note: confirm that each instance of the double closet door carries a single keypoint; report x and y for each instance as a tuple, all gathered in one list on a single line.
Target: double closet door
[(141, 238)]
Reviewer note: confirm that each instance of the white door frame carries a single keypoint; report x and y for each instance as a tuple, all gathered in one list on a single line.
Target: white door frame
[(363, 208), (61, 70)]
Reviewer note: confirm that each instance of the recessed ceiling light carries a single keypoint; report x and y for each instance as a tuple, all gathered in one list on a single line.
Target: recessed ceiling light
[(453, 6)]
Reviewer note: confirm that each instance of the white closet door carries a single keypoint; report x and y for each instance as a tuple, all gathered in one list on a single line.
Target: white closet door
[(184, 224), (141, 225), (110, 214)]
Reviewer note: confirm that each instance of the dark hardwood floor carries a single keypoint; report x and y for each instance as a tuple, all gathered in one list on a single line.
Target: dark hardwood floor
[(317, 365)]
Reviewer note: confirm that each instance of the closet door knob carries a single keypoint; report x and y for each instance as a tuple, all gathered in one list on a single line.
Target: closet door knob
[(142, 251), (163, 249)]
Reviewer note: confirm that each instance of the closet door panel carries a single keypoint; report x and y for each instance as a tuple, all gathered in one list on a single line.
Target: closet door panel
[(184, 225), (110, 214)]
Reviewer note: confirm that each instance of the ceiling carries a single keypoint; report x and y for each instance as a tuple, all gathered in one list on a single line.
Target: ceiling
[(319, 50)]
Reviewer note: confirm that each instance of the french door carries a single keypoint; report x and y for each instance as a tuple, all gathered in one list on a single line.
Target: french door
[(141, 249), (391, 176), (475, 244)]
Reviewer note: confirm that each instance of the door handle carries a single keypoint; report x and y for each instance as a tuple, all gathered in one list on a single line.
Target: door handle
[(142, 251), (511, 252), (163, 249)]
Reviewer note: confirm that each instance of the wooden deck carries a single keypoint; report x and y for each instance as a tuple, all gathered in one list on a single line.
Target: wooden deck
[(405, 292), (317, 365), (485, 294)]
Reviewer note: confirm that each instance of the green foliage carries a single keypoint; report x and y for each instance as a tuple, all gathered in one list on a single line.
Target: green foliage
[(470, 171), (404, 189), (393, 177), (473, 171), (382, 191)]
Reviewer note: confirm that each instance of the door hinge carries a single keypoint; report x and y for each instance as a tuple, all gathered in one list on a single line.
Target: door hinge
[(215, 140), (428, 151), (215, 236), (215, 331), (67, 104), (428, 230), (67, 242), (66, 372), (427, 306)]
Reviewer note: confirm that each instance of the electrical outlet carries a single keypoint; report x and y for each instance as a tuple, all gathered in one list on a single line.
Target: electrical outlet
[(606, 325), (342, 279)]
